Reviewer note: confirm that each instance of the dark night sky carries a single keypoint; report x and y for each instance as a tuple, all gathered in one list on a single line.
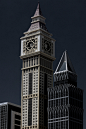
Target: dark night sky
[(65, 19)]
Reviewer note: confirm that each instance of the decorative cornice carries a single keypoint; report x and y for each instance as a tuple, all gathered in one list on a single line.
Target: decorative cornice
[(38, 16), (38, 29), (38, 53)]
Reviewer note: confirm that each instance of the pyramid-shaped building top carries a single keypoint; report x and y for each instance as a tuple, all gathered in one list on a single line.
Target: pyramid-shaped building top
[(65, 64), (65, 72)]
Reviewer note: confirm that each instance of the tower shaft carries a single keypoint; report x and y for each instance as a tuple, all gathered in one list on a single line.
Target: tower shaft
[(37, 75)]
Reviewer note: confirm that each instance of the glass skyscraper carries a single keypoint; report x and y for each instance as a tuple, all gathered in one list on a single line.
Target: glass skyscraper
[(65, 99)]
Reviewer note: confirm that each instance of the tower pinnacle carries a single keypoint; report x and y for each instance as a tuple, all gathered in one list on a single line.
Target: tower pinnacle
[(38, 10), (38, 21)]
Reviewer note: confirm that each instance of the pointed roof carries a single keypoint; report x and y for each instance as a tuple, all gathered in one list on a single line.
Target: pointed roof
[(38, 21), (38, 10), (65, 64)]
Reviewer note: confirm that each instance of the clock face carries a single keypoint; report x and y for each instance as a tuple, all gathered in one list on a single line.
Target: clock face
[(47, 46), (30, 44)]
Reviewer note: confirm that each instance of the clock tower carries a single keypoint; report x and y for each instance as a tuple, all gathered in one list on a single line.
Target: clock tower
[(37, 54)]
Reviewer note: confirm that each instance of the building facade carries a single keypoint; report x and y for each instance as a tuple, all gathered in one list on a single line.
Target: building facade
[(37, 54), (10, 116), (65, 99)]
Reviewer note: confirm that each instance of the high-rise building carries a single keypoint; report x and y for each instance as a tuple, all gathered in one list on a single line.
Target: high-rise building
[(10, 116), (65, 99), (37, 54)]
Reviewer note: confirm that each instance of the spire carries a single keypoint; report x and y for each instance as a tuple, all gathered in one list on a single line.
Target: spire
[(65, 64), (38, 10), (38, 21)]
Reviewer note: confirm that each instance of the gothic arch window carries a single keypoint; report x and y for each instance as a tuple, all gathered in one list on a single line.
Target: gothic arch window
[(56, 102), (65, 92), (55, 114), (60, 93), (61, 101), (51, 103), (62, 113), (51, 95), (65, 112), (61, 77), (58, 77), (55, 93), (50, 114), (66, 100)]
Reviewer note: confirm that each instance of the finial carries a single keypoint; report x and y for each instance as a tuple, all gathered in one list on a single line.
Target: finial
[(65, 51), (38, 10), (38, 7), (38, 2)]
